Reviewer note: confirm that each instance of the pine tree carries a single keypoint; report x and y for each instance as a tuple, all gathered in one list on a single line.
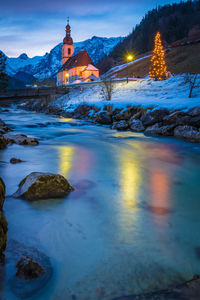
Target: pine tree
[(3, 75), (158, 67)]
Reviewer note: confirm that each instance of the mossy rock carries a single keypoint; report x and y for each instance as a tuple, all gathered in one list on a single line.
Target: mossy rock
[(2, 192), (3, 232), (39, 185)]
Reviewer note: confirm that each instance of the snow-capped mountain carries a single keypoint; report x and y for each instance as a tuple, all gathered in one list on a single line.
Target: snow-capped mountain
[(47, 66)]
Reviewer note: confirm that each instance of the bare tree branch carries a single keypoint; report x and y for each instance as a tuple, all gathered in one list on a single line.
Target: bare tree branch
[(107, 88)]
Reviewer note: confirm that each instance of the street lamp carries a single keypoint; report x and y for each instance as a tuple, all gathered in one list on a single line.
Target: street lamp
[(67, 76), (129, 59)]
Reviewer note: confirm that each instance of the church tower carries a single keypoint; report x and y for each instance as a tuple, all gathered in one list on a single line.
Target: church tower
[(68, 47)]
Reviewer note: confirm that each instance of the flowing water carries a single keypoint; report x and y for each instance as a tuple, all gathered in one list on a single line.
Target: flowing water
[(132, 223)]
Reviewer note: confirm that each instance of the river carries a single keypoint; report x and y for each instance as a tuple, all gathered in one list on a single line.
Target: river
[(132, 223)]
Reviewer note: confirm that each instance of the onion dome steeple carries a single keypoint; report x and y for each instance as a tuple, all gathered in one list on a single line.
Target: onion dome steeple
[(67, 39)]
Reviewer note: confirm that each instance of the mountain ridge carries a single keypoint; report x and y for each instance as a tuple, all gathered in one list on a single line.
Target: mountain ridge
[(46, 66)]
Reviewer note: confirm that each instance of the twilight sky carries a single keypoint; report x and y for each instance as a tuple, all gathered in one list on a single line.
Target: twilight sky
[(35, 27)]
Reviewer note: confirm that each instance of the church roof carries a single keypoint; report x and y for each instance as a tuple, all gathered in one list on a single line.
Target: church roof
[(80, 59), (90, 68)]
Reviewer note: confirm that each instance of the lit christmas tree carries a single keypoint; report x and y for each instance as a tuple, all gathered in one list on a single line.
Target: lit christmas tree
[(158, 67)]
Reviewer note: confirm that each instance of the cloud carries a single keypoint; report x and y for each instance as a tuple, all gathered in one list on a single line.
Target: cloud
[(36, 26)]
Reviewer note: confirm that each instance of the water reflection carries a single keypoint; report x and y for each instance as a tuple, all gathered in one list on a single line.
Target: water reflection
[(159, 182), (66, 156), (66, 120), (130, 176)]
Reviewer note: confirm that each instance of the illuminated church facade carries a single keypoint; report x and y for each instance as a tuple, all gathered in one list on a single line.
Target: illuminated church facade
[(75, 68)]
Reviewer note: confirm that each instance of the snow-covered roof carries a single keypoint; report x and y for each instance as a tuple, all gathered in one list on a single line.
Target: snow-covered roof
[(90, 68)]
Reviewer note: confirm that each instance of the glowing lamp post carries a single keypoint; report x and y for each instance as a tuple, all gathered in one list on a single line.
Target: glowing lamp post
[(129, 59), (67, 77)]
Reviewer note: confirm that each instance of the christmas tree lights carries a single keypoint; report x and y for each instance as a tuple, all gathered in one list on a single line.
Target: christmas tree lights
[(158, 67)]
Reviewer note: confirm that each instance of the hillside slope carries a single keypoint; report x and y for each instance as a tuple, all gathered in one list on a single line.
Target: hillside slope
[(182, 59), (175, 22)]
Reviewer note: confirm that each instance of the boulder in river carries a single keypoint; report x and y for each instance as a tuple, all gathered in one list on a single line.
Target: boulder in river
[(28, 269), (195, 111), (3, 232), (186, 132), (103, 118), (20, 139), (14, 160), (38, 185), (154, 116), (158, 129), (136, 125), (35, 266), (195, 121), (3, 143), (3, 127), (2, 192), (3, 222), (120, 125)]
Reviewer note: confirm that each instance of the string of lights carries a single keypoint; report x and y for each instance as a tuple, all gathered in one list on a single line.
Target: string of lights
[(158, 67)]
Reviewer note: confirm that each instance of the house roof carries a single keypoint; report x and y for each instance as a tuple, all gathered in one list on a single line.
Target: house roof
[(90, 68), (80, 59)]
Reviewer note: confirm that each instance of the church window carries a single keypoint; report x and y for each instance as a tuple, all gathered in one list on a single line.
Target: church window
[(69, 51)]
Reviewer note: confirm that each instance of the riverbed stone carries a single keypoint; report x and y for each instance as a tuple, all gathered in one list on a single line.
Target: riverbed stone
[(103, 118), (154, 116), (38, 185), (136, 125), (81, 111), (125, 114), (21, 139), (3, 233), (120, 125), (159, 129), (177, 117), (22, 288), (195, 111), (2, 193), (14, 160), (3, 127), (186, 132), (3, 142), (3, 222), (28, 269), (195, 121)]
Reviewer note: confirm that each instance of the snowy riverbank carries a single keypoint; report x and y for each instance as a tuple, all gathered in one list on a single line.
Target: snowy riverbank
[(171, 94), (155, 108)]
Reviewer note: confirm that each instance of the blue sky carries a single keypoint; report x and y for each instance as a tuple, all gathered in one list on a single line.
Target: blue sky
[(35, 27)]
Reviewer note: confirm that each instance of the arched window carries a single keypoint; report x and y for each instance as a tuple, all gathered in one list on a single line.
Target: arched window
[(69, 51)]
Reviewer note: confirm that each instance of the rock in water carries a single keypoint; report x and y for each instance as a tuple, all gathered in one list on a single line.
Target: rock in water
[(188, 133), (20, 139), (14, 160), (120, 125), (3, 233), (28, 269), (3, 222), (39, 185), (2, 192), (136, 125), (3, 143)]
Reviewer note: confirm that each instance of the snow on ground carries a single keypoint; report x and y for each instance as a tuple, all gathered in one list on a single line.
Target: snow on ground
[(116, 69), (171, 93)]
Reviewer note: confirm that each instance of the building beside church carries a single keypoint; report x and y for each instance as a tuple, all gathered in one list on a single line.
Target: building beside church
[(75, 68)]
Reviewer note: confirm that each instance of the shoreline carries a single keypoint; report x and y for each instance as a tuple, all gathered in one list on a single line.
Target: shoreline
[(150, 121)]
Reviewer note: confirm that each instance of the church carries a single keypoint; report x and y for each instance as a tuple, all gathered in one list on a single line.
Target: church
[(75, 68)]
